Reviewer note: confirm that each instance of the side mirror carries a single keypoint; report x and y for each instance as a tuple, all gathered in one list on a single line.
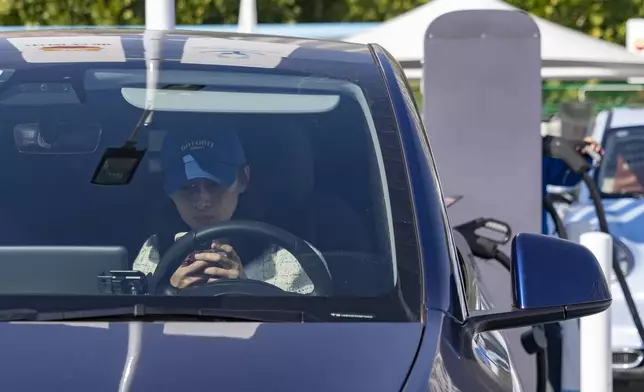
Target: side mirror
[(552, 280)]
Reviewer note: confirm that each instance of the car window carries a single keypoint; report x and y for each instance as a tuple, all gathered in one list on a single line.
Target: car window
[(297, 151), (622, 168)]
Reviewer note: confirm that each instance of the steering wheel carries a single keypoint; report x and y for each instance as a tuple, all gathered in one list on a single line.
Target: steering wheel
[(315, 267)]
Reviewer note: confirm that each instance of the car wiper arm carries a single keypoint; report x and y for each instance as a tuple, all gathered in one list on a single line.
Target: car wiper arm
[(622, 195), (141, 312)]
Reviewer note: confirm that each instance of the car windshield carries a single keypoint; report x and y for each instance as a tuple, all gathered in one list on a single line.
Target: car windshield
[(622, 168), (253, 180)]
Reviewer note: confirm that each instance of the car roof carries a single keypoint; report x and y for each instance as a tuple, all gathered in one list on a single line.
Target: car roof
[(627, 117), (124, 45), (620, 117)]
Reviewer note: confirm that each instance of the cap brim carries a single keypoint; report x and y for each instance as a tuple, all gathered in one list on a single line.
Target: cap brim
[(221, 173)]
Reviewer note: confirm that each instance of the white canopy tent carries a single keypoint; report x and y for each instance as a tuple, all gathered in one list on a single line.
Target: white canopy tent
[(566, 53)]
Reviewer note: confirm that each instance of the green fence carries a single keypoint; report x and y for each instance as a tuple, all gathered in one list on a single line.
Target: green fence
[(603, 95)]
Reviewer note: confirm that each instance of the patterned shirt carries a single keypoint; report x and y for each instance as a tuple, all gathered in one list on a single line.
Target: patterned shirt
[(275, 265)]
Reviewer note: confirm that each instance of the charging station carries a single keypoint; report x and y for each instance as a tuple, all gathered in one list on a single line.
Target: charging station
[(482, 112)]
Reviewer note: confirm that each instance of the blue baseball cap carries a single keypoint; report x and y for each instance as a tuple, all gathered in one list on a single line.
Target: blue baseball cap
[(214, 155)]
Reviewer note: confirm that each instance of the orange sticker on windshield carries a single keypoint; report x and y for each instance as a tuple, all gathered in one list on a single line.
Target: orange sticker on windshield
[(75, 48)]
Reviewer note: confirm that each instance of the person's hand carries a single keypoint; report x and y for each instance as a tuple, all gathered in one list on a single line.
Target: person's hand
[(221, 261), (591, 151), (594, 145)]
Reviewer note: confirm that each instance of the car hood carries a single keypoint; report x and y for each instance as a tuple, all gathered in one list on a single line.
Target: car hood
[(207, 356), (626, 223), (625, 219)]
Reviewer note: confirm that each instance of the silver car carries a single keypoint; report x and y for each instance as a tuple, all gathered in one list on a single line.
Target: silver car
[(620, 179)]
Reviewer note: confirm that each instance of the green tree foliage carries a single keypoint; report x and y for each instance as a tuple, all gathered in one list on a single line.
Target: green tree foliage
[(131, 12), (126, 12), (69, 12), (599, 18)]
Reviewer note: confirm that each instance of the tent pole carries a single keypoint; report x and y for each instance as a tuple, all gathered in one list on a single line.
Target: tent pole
[(247, 16), (160, 15)]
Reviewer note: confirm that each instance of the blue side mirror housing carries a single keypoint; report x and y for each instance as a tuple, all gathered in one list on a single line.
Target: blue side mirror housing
[(552, 280)]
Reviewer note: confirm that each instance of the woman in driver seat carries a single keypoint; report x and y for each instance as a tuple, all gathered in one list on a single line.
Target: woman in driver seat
[(204, 173)]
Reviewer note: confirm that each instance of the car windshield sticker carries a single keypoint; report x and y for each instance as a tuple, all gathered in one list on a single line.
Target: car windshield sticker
[(218, 51), (77, 49)]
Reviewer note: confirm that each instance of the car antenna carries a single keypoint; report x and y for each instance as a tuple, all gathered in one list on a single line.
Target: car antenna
[(118, 164)]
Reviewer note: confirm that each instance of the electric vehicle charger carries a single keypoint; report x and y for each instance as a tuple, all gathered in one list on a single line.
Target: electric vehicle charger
[(487, 247), (569, 152), (533, 341), (560, 229), (553, 333)]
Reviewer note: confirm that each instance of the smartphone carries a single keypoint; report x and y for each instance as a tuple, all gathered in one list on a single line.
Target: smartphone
[(191, 257)]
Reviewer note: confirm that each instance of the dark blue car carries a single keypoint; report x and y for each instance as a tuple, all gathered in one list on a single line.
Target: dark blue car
[(194, 212)]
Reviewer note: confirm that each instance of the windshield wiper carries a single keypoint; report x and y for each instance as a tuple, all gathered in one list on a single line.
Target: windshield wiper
[(622, 195), (142, 312)]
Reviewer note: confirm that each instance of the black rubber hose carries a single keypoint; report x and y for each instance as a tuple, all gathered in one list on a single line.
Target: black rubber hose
[(559, 226), (552, 332), (503, 259), (554, 353), (597, 202), (603, 226), (542, 371), (534, 342)]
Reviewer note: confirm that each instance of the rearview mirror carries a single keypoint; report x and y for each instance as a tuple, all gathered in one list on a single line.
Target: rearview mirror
[(552, 280)]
